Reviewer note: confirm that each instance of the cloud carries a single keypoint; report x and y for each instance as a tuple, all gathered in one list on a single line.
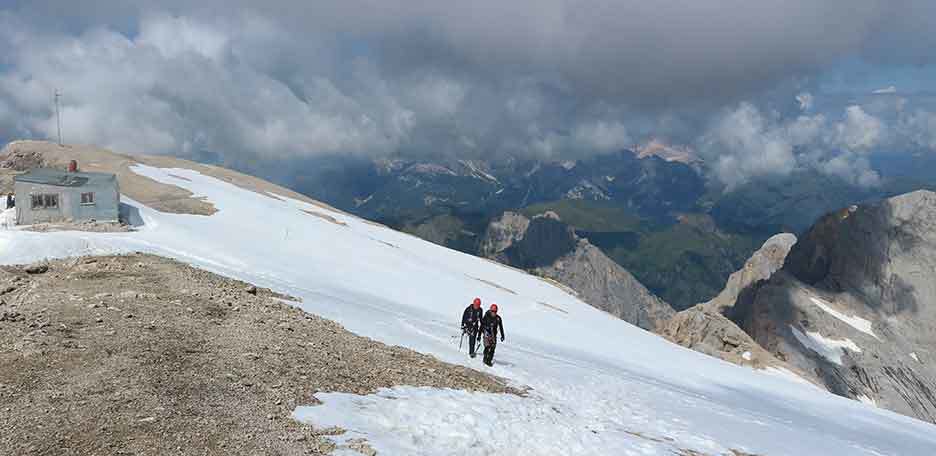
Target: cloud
[(805, 101), (859, 131), (181, 86), (852, 168), (885, 91), (919, 129), (745, 144), (283, 79), (602, 136)]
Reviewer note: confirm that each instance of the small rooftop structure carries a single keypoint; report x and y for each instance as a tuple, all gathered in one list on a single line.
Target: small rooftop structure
[(46, 176), (46, 195)]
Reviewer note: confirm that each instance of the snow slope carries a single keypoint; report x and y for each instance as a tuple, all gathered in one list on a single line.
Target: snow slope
[(830, 349), (855, 322), (599, 385)]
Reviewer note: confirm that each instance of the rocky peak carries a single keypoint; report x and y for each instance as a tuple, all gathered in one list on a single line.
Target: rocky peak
[(853, 305), (884, 252), (707, 327), (762, 264), (548, 247), (502, 233)]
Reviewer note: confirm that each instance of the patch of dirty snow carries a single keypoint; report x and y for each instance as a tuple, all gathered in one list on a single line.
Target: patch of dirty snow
[(867, 400), (829, 349), (855, 322)]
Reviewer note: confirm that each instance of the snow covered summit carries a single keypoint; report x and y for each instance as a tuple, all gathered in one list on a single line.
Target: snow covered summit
[(597, 384)]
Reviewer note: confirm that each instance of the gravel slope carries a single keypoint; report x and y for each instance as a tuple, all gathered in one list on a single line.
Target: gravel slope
[(144, 355)]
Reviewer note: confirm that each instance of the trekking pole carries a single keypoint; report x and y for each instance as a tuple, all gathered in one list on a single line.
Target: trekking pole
[(461, 340)]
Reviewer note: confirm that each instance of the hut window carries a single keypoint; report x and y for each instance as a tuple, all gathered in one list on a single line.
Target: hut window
[(87, 198), (51, 201), (45, 201)]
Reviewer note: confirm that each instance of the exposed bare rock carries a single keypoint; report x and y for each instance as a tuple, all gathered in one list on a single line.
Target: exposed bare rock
[(604, 284), (762, 264), (548, 247), (502, 233), (855, 304), (706, 328)]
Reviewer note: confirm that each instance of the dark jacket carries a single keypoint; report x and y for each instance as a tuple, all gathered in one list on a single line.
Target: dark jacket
[(491, 323), (471, 318)]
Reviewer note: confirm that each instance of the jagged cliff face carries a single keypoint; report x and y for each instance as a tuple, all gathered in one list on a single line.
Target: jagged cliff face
[(548, 247), (855, 304), (707, 329)]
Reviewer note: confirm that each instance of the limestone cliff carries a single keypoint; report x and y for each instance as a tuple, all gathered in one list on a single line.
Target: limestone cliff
[(548, 247), (855, 304)]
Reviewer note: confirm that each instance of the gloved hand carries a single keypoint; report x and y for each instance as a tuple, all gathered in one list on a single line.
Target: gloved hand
[(502, 338)]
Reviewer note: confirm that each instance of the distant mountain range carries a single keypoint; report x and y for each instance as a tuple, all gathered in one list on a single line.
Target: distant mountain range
[(651, 210)]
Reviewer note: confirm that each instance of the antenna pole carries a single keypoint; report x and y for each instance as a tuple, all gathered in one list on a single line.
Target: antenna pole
[(58, 116)]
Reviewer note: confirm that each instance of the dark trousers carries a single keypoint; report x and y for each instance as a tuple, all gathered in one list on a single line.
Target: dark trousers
[(472, 340), (490, 344)]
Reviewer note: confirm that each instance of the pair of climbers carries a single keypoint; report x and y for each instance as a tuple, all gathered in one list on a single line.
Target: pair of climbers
[(486, 327)]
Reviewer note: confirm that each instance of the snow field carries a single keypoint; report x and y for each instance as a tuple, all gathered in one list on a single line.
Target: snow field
[(599, 385)]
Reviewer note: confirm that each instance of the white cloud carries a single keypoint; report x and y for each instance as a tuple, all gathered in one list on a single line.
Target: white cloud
[(919, 129), (744, 144), (805, 101), (859, 130), (177, 88), (885, 90), (852, 168), (602, 136)]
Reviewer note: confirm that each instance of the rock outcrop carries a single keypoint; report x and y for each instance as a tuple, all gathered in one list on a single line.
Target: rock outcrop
[(855, 304), (706, 328), (761, 266), (501, 234), (549, 248)]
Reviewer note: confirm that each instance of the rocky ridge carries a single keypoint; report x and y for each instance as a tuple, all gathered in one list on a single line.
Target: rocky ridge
[(546, 246), (707, 327), (854, 304), (849, 306)]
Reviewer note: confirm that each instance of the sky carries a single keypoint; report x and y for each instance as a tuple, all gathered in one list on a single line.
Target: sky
[(754, 87)]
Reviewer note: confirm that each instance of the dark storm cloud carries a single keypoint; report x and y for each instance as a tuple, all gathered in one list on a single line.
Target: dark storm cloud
[(282, 79)]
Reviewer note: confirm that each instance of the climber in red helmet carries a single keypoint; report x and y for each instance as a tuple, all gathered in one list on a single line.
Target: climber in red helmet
[(471, 320), (490, 324)]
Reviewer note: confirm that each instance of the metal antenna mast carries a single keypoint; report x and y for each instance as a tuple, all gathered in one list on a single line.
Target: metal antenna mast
[(58, 116)]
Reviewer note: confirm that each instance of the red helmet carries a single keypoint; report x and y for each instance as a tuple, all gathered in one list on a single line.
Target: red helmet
[(494, 308), (476, 303)]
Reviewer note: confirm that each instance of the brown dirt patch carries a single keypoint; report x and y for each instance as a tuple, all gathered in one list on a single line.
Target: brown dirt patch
[(143, 355)]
